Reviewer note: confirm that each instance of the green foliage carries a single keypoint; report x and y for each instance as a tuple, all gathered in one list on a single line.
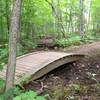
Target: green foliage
[(29, 96), (2, 84), (25, 46), (68, 42), (29, 44), (1, 66), (3, 57), (90, 37), (3, 54), (12, 92), (75, 39), (77, 88), (18, 95)]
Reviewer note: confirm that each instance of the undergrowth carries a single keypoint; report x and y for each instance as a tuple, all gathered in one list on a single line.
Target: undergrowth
[(30, 95), (20, 95), (74, 39), (74, 92)]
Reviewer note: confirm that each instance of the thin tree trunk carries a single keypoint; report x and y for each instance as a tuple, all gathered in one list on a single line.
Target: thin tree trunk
[(8, 11), (89, 13), (1, 21), (19, 28), (70, 21), (60, 22), (53, 14), (82, 26), (14, 25)]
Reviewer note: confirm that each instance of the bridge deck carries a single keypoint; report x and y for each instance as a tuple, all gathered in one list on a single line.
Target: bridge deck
[(36, 64)]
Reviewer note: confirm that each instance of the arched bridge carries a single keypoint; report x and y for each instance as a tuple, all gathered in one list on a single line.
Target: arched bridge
[(36, 64)]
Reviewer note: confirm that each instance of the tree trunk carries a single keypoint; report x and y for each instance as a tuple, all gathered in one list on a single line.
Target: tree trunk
[(53, 15), (8, 11), (14, 25), (19, 24), (82, 27), (70, 26), (60, 22), (1, 22), (89, 13)]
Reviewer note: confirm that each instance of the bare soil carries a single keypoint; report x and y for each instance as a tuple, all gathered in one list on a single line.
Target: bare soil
[(76, 81)]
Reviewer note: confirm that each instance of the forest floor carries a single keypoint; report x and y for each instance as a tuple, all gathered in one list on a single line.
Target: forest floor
[(75, 81)]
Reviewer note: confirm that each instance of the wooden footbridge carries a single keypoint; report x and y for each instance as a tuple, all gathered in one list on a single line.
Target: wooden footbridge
[(35, 65)]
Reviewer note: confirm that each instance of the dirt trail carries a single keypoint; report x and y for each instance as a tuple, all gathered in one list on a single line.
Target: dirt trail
[(89, 49)]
